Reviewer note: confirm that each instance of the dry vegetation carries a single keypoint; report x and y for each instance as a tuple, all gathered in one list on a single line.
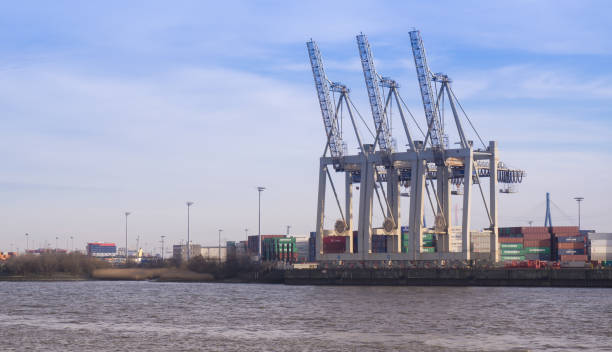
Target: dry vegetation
[(48, 264), (160, 274)]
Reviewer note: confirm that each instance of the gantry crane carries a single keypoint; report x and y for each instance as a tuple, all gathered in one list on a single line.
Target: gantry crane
[(418, 166)]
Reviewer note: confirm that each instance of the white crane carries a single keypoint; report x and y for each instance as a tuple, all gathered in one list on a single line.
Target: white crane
[(372, 81)]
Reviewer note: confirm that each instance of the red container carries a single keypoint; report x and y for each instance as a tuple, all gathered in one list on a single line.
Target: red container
[(536, 236), (536, 243), (334, 244), (510, 239), (534, 229), (561, 231), (565, 234), (570, 245), (574, 258)]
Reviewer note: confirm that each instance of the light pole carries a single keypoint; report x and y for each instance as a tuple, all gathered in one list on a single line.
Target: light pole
[(259, 189), (288, 229), (246, 234), (56, 239), (127, 213), (27, 242), (220, 230), (72, 243), (162, 241), (189, 204), (579, 200)]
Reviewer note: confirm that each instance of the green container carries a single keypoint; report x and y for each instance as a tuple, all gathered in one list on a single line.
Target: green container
[(510, 246), (512, 252), (428, 250), (542, 250), (512, 257)]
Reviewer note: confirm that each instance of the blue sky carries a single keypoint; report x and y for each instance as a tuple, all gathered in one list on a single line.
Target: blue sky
[(108, 107)]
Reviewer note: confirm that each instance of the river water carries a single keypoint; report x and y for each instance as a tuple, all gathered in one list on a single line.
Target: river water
[(148, 316)]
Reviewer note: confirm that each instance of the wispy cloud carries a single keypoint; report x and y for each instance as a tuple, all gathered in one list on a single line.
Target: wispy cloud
[(533, 82)]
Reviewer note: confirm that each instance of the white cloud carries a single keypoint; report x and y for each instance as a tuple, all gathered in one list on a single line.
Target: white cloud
[(532, 82)]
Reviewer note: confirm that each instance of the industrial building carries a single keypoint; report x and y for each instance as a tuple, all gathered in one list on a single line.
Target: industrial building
[(427, 169), (100, 249), (214, 253)]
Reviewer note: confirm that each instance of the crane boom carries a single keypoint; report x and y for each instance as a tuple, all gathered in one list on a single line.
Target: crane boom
[(424, 77), (328, 110), (372, 80)]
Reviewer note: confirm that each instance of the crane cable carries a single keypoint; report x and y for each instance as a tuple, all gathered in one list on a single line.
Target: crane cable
[(412, 116), (361, 117), (467, 117)]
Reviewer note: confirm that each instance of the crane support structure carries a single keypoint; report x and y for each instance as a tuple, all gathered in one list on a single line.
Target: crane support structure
[(372, 81)]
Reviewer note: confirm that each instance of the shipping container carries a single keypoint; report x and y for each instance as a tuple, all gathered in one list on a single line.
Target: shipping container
[(511, 240), (599, 257), (511, 245), (537, 250), (537, 256), (312, 249), (379, 243), (537, 243), (570, 245), (573, 258), (570, 251), (536, 236), (573, 239), (602, 250), (565, 230), (428, 250), (334, 244), (505, 252), (512, 258)]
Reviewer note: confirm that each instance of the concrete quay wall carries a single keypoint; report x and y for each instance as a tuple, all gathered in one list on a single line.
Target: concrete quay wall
[(567, 277)]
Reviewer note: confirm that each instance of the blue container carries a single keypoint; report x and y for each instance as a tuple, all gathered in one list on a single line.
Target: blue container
[(571, 251), (312, 253), (571, 239), (537, 256)]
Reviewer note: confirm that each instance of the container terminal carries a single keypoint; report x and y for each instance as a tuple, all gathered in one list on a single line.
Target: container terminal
[(428, 171)]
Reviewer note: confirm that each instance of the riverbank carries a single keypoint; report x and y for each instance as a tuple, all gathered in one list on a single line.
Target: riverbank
[(153, 274), (567, 277), (570, 277)]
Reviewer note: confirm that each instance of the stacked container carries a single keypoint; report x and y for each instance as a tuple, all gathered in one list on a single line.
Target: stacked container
[(525, 243), (334, 244), (569, 246), (405, 239), (279, 249), (480, 242), (536, 243), (601, 248), (429, 243), (511, 244), (379, 243), (302, 248), (312, 245), (253, 242)]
